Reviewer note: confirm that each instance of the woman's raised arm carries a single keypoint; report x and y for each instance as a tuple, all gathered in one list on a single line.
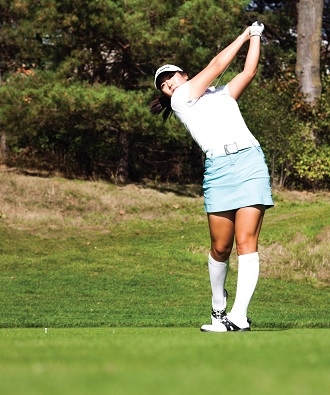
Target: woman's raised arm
[(218, 64)]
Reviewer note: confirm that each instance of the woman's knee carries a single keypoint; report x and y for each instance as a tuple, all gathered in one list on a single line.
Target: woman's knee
[(246, 245), (220, 253)]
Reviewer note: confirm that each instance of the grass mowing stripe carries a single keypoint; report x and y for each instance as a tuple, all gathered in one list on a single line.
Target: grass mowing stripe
[(157, 282), (116, 290), (163, 361), (128, 262)]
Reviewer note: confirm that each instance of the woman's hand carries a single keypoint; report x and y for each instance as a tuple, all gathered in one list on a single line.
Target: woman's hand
[(246, 34), (256, 29)]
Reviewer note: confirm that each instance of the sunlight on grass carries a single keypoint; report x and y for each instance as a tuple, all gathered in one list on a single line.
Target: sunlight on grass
[(294, 242), (76, 254), (134, 361), (31, 202)]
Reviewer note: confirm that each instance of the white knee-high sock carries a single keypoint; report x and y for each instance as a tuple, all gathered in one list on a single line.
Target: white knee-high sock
[(218, 273), (247, 278)]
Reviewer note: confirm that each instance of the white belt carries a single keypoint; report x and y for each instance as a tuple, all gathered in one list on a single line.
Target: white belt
[(232, 148)]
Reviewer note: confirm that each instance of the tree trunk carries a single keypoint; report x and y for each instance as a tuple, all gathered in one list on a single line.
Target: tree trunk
[(3, 148), (309, 27), (123, 165)]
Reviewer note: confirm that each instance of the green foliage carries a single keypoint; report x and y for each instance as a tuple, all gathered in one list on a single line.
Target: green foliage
[(294, 136), (310, 161), (14, 45), (204, 35), (280, 19), (76, 81), (76, 127)]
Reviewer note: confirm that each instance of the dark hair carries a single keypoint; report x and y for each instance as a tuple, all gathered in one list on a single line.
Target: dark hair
[(161, 104)]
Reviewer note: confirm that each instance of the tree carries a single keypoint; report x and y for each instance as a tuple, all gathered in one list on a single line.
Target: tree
[(309, 34), (77, 77)]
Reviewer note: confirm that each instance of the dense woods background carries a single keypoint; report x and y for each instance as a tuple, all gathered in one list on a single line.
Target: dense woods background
[(76, 78)]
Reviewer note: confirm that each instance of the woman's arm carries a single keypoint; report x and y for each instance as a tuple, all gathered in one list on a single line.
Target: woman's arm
[(218, 64), (241, 81)]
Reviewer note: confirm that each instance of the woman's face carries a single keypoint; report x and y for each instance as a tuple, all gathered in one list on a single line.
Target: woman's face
[(170, 82)]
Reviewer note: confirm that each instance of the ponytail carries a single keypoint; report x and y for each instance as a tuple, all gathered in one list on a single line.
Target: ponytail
[(161, 104)]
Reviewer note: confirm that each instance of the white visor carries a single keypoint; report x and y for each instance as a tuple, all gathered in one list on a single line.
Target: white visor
[(165, 68)]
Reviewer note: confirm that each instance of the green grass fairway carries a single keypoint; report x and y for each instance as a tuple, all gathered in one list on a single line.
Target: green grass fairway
[(119, 276), (163, 361)]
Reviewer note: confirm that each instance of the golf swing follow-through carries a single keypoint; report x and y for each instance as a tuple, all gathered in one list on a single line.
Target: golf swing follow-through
[(236, 180)]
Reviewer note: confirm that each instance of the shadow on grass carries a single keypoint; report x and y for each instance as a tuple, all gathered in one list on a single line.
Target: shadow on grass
[(270, 329), (186, 190)]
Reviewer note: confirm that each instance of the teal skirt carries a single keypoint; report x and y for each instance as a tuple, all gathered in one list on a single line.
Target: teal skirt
[(236, 180)]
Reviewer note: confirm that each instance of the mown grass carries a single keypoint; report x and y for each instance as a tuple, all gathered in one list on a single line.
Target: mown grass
[(125, 361), (91, 254), (119, 277)]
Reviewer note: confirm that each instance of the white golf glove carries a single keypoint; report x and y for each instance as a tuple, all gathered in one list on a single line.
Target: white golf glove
[(256, 29)]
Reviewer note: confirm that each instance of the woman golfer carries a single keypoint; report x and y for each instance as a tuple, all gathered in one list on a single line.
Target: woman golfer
[(236, 180)]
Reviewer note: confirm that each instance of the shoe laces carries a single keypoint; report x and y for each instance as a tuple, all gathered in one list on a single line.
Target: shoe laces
[(218, 314)]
